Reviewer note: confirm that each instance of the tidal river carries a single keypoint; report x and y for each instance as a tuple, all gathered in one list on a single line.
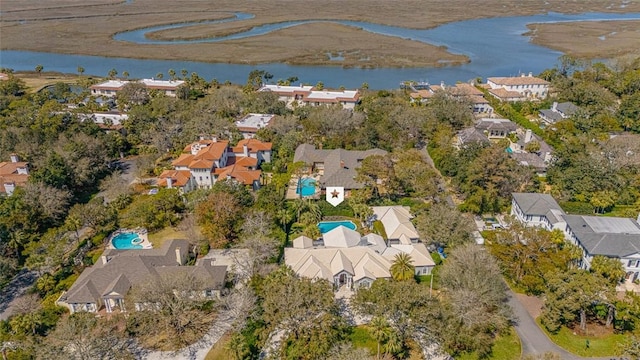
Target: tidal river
[(496, 47)]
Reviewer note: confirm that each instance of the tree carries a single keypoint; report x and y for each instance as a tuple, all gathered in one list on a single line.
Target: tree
[(174, 309), (82, 336), (112, 73), (402, 268), (602, 200), (475, 300), (609, 268), (380, 330), (39, 69), (80, 70), (443, 225), (218, 217), (346, 351), (305, 310), (172, 74), (159, 76), (571, 296), (532, 147), (133, 93), (125, 74)]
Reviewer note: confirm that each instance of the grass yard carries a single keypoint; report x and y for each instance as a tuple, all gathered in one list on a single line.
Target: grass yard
[(505, 348), (159, 237), (603, 346), (219, 351), (361, 338)]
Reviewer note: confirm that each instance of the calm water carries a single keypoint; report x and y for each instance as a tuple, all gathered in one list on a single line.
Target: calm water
[(495, 46)]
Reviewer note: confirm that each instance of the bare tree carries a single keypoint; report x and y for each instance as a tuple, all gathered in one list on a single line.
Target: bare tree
[(82, 336), (114, 186), (171, 309), (51, 201)]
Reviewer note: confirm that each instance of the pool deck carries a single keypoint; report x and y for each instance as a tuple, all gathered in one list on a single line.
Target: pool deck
[(142, 234), (293, 185)]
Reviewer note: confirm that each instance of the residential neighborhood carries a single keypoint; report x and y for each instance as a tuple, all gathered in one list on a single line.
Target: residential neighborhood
[(279, 221)]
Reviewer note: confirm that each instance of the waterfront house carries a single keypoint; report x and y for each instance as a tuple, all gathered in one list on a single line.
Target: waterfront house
[(529, 87), (110, 88), (12, 174), (251, 123), (105, 285)]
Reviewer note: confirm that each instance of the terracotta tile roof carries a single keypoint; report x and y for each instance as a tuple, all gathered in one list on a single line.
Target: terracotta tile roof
[(240, 173), (180, 177), (254, 146), (183, 160), (201, 164), (245, 161)]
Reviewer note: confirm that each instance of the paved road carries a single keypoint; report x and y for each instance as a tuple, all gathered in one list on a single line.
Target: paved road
[(16, 288), (533, 340)]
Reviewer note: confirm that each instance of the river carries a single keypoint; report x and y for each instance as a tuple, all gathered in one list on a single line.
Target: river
[(496, 47)]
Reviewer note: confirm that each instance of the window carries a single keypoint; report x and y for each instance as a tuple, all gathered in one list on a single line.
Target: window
[(631, 263)]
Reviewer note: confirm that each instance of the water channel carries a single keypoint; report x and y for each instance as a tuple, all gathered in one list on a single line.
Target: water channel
[(496, 47)]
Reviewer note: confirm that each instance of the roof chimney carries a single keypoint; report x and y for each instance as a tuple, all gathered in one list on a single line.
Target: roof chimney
[(214, 139), (555, 106), (245, 149), (105, 259), (530, 74), (179, 256), (14, 158), (442, 84), (342, 164), (169, 183), (528, 136)]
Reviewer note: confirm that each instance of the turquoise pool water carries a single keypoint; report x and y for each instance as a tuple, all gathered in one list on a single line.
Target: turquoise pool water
[(306, 187), (326, 226), (125, 241)]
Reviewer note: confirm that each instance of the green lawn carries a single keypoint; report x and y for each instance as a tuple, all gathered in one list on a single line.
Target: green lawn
[(607, 345), (361, 338), (505, 348)]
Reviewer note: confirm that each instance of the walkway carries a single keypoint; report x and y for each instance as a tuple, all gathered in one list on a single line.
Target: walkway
[(533, 340)]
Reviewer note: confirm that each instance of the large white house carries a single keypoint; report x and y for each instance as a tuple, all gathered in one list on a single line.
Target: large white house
[(539, 210), (307, 95), (612, 237), (208, 160), (530, 87), (345, 258), (111, 87), (251, 123)]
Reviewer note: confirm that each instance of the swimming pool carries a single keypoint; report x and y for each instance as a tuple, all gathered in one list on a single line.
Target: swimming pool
[(126, 241), (306, 187), (326, 226)]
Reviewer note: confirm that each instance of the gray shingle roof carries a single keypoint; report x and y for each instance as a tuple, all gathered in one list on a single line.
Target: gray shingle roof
[(496, 124), (606, 236), (472, 135), (339, 164), (567, 108), (539, 204), (550, 115), (126, 268)]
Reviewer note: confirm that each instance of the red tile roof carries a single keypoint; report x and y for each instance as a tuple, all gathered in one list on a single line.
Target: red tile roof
[(254, 146), (180, 177)]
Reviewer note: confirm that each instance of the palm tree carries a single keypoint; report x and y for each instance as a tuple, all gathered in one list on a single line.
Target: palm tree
[(380, 330), (402, 268), (39, 69), (393, 344), (80, 70), (284, 217)]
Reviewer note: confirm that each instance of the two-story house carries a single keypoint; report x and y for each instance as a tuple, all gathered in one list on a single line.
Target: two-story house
[(110, 88), (529, 87), (558, 112), (539, 210)]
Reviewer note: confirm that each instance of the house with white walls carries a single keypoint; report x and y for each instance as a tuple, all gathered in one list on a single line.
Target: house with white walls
[(528, 86)]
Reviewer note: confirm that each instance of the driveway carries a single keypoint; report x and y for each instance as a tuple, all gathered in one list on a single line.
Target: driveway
[(533, 340), (16, 288)]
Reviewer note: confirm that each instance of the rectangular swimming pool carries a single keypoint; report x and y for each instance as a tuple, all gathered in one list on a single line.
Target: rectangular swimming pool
[(326, 226)]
